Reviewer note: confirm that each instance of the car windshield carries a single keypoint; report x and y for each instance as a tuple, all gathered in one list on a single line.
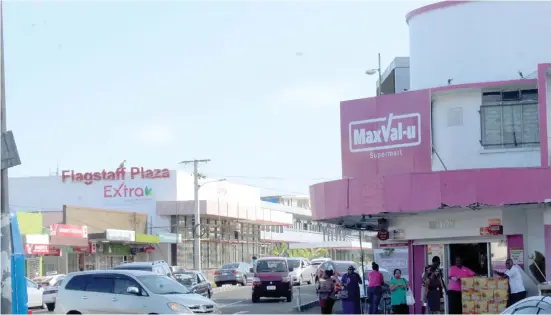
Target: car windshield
[(186, 278), (271, 266), (343, 267), (230, 266), (163, 285), (293, 263)]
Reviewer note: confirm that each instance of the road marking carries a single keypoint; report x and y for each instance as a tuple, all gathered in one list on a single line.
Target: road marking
[(230, 304), (241, 312)]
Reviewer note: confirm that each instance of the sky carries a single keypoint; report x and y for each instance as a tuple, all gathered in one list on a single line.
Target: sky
[(254, 86)]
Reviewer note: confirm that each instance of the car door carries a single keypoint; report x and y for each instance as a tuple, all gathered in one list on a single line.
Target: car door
[(306, 274), (206, 284), (34, 294), (98, 295), (129, 303), (200, 287)]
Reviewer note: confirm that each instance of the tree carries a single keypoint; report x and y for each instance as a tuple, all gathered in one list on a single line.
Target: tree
[(280, 250)]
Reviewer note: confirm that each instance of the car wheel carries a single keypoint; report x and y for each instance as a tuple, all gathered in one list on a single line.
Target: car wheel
[(255, 299), (290, 297), (50, 307)]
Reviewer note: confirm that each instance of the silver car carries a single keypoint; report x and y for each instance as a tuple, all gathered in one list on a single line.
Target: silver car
[(234, 273), (128, 292), (301, 271)]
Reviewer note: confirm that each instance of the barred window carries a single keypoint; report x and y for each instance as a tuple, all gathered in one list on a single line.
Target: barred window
[(509, 119)]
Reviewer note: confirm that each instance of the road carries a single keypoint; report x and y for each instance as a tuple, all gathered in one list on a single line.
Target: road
[(238, 301)]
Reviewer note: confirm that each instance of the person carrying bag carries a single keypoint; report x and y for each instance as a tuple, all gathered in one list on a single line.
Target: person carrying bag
[(326, 293)]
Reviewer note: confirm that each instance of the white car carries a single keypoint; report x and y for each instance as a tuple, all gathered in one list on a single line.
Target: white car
[(46, 281), (34, 294), (49, 293), (301, 271), (128, 292)]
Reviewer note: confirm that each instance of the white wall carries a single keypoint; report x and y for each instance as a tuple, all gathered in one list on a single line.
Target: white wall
[(292, 236), (465, 223), (459, 145), (528, 221), (478, 42)]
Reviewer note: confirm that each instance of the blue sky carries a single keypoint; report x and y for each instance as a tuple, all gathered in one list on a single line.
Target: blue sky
[(92, 83)]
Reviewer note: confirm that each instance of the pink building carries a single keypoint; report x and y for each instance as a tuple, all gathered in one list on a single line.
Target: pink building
[(464, 151)]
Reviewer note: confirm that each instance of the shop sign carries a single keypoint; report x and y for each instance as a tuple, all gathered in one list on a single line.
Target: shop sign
[(172, 238), (146, 238), (120, 235), (517, 255), (386, 135), (116, 249), (76, 231), (72, 249), (37, 239), (42, 249), (392, 245), (118, 174), (124, 191)]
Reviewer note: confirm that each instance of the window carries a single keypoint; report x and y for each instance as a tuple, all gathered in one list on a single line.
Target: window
[(31, 284), (509, 119), (202, 278), (101, 284), (77, 283), (121, 284)]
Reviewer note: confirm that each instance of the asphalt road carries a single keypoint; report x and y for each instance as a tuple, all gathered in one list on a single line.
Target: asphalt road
[(238, 301)]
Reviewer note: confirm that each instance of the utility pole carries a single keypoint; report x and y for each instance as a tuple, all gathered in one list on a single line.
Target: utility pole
[(197, 227), (5, 229)]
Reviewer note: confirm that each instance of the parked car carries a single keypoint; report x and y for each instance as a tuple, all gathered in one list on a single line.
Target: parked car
[(49, 293), (159, 267), (300, 273), (313, 267), (531, 305), (234, 273), (272, 279), (46, 281), (128, 292), (195, 281), (34, 294)]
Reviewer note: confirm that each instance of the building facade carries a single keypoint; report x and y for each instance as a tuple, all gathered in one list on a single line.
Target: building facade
[(459, 164)]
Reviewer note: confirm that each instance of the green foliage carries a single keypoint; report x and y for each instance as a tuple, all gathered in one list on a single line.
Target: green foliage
[(308, 253)]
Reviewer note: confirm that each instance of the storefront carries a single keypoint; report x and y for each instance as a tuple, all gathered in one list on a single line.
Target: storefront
[(110, 249)]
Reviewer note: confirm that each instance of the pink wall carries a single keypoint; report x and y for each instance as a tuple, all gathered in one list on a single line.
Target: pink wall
[(428, 191), (396, 130), (515, 241)]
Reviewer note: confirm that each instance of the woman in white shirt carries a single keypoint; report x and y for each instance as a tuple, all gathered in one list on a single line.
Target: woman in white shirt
[(518, 292)]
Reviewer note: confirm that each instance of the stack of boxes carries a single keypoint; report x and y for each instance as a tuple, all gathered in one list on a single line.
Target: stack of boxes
[(481, 295)]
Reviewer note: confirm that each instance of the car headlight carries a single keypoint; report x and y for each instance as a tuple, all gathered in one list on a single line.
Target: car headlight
[(179, 308)]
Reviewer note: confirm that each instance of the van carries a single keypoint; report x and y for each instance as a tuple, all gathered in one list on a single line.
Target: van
[(272, 279)]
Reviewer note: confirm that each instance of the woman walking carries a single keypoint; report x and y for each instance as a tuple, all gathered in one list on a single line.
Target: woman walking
[(326, 292), (351, 302), (374, 290), (398, 293), (435, 287)]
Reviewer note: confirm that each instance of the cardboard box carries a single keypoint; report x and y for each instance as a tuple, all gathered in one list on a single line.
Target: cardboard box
[(467, 283), (500, 296), (481, 307), (487, 295), (475, 296), (466, 295), (468, 307), (501, 306), (480, 283), (493, 308), (492, 283), (502, 284)]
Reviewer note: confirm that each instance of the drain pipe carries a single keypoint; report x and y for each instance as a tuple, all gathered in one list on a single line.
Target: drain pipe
[(432, 138)]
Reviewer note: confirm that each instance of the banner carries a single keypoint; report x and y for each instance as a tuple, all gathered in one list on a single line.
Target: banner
[(77, 231)]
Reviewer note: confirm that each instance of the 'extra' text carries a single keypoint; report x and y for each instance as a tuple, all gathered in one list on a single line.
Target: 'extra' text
[(392, 132), (119, 174), (123, 191)]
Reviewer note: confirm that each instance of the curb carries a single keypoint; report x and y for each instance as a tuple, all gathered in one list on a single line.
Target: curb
[(305, 306)]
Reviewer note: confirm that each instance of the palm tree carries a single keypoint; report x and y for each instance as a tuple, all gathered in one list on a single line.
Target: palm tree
[(281, 249)]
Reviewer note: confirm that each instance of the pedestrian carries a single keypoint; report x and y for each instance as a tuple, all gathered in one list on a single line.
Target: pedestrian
[(375, 288), (516, 285), (351, 281), (434, 290), (398, 293), (436, 264), (326, 292), (456, 273)]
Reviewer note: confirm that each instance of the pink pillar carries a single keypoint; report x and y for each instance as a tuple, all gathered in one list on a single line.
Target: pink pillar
[(547, 240), (416, 264)]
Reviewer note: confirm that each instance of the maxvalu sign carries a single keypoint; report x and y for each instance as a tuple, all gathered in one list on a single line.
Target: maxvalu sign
[(385, 135), (118, 174)]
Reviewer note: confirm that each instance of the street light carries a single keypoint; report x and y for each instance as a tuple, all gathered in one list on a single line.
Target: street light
[(375, 71)]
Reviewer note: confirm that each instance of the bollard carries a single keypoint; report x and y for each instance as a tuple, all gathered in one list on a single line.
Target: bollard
[(298, 300)]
